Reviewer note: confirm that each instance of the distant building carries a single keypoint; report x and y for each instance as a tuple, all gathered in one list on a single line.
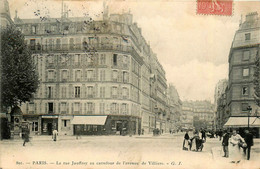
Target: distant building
[(202, 111), (5, 17), (187, 114), (175, 107), (97, 77), (220, 90)]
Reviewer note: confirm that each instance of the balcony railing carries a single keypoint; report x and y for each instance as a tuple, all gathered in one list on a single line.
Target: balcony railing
[(75, 47)]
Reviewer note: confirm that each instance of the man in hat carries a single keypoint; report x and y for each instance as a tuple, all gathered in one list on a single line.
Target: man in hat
[(225, 143)]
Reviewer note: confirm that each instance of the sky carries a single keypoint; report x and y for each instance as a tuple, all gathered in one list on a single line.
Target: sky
[(192, 48)]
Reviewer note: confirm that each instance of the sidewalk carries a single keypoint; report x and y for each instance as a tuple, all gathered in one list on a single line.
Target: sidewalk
[(217, 153)]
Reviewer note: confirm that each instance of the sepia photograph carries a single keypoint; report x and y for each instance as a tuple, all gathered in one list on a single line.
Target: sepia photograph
[(130, 84)]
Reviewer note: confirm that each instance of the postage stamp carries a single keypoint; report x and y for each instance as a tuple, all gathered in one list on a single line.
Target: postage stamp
[(215, 7)]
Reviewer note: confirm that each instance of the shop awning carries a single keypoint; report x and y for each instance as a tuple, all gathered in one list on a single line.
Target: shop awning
[(89, 120), (242, 122)]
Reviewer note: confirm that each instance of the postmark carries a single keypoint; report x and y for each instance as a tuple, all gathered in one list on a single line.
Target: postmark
[(215, 7)]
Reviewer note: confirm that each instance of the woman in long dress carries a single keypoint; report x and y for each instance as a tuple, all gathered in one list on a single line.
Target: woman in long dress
[(186, 141), (235, 154)]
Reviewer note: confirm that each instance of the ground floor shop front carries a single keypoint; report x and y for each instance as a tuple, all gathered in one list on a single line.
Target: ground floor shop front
[(84, 124)]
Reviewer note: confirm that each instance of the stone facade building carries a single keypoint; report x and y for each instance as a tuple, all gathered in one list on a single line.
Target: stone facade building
[(240, 94), (97, 77), (241, 66), (219, 102)]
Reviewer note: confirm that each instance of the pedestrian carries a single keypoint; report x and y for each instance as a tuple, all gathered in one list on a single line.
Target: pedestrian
[(54, 134), (234, 141), (225, 143), (220, 133), (26, 136), (203, 134), (249, 142), (186, 141)]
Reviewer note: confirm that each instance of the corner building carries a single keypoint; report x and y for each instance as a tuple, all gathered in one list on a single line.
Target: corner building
[(95, 75), (240, 94)]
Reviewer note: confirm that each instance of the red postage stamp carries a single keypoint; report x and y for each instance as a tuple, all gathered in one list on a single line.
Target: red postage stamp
[(215, 7)]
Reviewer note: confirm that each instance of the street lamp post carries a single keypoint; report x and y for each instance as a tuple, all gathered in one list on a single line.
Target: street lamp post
[(249, 108)]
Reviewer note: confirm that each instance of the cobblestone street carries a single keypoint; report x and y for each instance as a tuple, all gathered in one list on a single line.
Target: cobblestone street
[(115, 152)]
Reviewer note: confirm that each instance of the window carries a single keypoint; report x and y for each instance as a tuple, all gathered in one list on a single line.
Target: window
[(50, 59), (57, 43), (114, 106), (63, 91), (90, 74), (114, 91), (90, 91), (244, 106), (50, 75), (64, 123), (115, 76), (125, 59), (246, 72), (33, 29), (89, 107), (102, 75), (77, 92), (71, 43), (103, 59), (125, 77), (102, 108), (34, 126), (247, 36), (246, 55), (76, 107), (124, 109), (63, 59), (102, 92), (125, 92), (78, 75), (245, 90), (63, 107), (76, 58), (32, 44), (89, 59), (31, 107), (64, 74), (49, 92), (115, 59), (50, 107)]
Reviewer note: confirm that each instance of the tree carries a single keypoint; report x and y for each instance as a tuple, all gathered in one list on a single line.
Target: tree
[(257, 79), (19, 79)]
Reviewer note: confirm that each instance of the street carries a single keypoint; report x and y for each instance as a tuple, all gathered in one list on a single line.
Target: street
[(143, 151)]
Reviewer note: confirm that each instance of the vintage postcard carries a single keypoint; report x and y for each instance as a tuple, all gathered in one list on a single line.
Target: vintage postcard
[(124, 84)]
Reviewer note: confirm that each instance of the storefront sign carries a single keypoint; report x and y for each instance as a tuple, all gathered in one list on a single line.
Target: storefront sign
[(50, 117)]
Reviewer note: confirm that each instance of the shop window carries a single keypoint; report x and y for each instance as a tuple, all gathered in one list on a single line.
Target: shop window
[(35, 126), (32, 44), (94, 128)]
